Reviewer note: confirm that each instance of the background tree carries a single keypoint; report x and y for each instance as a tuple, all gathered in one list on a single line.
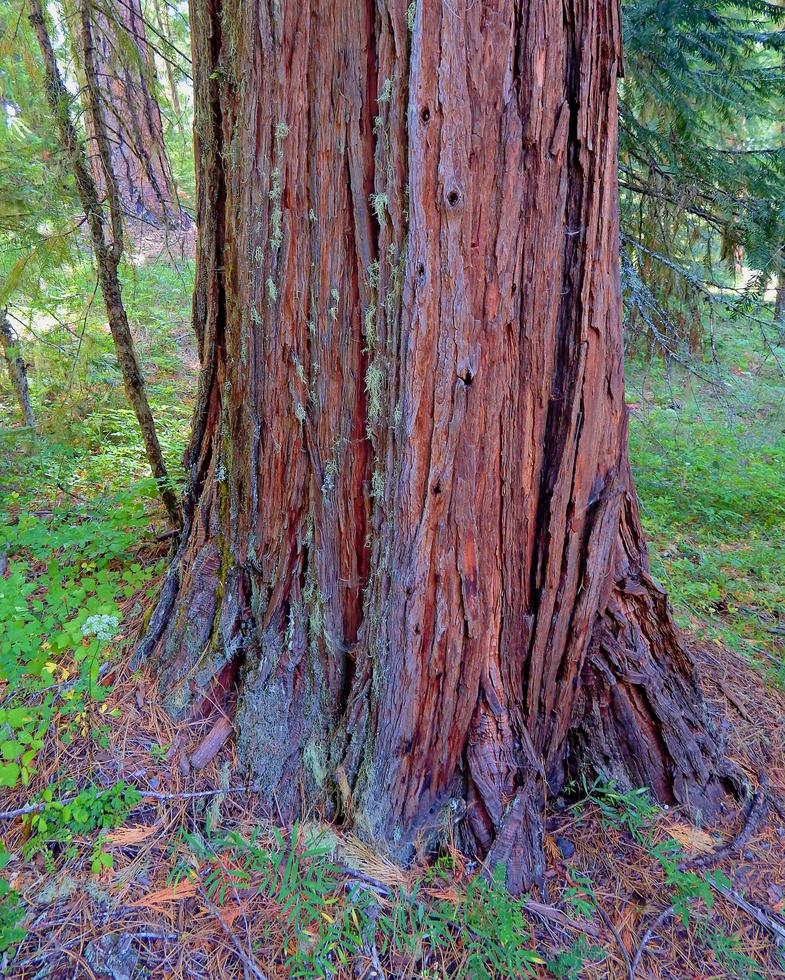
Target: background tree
[(127, 91), (702, 162), (108, 250), (17, 368), (412, 539)]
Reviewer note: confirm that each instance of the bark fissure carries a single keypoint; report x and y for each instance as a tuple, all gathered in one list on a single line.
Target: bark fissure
[(417, 419)]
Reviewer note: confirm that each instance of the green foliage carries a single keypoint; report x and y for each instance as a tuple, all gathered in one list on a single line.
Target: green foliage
[(708, 462), (702, 157), (569, 963), (37, 205), (493, 926), (67, 573), (634, 811), (11, 910), (92, 810), (729, 953), (325, 923), (76, 514)]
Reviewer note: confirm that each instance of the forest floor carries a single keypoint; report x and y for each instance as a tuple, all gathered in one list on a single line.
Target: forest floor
[(130, 862)]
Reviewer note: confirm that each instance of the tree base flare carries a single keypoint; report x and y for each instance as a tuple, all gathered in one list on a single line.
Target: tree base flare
[(640, 717), (640, 720)]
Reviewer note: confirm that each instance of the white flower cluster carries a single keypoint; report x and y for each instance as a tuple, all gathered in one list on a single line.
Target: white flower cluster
[(102, 626)]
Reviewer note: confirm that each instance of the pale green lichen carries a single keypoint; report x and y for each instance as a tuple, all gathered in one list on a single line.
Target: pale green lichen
[(330, 473), (315, 760), (276, 214), (374, 378), (386, 92), (272, 290), (290, 625), (379, 206), (396, 261), (377, 484), (370, 327), (411, 14), (331, 469)]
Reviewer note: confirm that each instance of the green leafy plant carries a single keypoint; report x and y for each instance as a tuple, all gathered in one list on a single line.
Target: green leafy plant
[(729, 952), (61, 824), (569, 963), (634, 811), (326, 922), (11, 910)]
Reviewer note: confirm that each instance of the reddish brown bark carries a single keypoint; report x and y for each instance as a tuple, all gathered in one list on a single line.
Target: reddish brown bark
[(126, 79), (412, 534)]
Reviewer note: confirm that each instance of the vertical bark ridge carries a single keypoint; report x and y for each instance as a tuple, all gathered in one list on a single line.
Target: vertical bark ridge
[(639, 719)]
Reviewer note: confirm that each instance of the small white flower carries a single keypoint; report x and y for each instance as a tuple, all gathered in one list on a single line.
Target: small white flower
[(102, 626)]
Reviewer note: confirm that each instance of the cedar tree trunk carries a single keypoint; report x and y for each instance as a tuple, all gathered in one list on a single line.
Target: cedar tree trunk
[(412, 544), (126, 81)]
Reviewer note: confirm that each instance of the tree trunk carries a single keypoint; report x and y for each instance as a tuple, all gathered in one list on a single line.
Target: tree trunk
[(17, 369), (779, 302), (107, 253), (125, 71), (164, 24), (412, 544)]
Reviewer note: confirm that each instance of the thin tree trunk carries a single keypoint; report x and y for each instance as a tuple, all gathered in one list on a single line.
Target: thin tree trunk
[(17, 369), (165, 28), (779, 302), (412, 544), (124, 74), (107, 254)]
